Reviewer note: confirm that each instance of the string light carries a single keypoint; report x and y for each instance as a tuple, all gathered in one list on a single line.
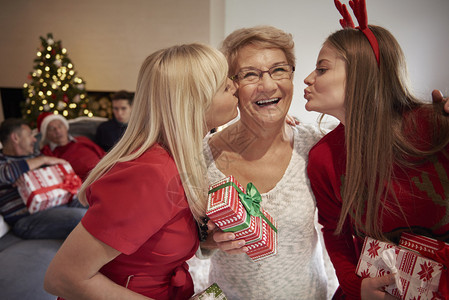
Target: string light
[(53, 79)]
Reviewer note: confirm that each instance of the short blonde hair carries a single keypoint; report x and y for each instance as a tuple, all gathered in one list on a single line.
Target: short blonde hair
[(265, 37), (175, 87)]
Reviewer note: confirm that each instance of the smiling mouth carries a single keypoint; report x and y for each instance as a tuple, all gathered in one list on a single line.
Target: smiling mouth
[(267, 102)]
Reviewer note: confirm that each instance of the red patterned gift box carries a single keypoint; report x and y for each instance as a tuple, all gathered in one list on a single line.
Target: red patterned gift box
[(48, 187), (234, 210), (433, 249), (224, 207), (266, 246), (417, 277)]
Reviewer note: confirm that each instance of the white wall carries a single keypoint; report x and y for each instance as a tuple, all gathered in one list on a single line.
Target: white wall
[(106, 40), (421, 27)]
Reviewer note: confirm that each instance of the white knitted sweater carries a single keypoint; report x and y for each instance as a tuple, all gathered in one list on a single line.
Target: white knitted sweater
[(297, 270)]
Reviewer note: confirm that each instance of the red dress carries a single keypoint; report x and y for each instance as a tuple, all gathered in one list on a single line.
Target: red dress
[(82, 154), (140, 209), (421, 192)]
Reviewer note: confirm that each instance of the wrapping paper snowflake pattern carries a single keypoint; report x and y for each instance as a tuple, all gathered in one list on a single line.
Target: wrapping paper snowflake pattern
[(417, 277), (41, 188)]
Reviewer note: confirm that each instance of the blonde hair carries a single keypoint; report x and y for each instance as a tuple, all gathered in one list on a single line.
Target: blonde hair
[(376, 100), (264, 37), (175, 87)]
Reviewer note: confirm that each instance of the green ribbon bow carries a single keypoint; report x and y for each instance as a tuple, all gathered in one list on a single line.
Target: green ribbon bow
[(251, 200)]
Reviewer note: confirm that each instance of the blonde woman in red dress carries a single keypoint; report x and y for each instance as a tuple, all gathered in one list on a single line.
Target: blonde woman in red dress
[(146, 193)]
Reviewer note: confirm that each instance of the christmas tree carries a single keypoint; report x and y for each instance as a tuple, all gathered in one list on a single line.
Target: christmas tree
[(55, 86)]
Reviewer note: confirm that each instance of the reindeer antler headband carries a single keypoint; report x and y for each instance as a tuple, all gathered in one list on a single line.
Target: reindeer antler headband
[(359, 9)]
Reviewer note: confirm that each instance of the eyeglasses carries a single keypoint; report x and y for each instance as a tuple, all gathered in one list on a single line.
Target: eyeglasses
[(253, 75)]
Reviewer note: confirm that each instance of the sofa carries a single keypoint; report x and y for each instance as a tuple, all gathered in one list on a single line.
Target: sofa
[(23, 262)]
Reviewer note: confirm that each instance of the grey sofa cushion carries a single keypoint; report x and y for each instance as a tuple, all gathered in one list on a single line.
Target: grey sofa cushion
[(23, 266), (85, 126), (8, 240)]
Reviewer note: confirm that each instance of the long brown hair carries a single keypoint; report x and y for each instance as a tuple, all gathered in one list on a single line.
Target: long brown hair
[(376, 101)]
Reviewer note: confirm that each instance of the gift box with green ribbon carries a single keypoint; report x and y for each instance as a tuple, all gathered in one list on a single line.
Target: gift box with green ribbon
[(236, 210)]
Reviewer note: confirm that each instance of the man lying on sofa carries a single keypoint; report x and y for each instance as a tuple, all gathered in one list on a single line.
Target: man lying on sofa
[(82, 153), (16, 158)]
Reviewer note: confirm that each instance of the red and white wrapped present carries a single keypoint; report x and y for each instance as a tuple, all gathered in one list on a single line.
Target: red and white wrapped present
[(235, 210), (48, 187), (416, 276)]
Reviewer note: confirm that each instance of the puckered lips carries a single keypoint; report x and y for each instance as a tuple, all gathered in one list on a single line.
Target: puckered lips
[(306, 94), (268, 102)]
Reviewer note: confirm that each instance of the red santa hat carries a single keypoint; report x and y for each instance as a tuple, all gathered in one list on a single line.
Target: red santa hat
[(44, 119)]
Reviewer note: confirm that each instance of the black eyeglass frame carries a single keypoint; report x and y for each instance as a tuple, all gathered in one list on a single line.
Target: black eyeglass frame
[(236, 79)]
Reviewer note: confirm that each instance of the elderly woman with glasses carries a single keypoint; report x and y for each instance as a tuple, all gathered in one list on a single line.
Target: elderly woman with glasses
[(263, 149)]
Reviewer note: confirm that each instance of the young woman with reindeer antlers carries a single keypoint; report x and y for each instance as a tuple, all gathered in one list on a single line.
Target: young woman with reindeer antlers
[(385, 169)]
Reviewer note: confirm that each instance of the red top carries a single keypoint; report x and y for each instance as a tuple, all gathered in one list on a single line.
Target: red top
[(82, 154), (140, 209), (421, 193)]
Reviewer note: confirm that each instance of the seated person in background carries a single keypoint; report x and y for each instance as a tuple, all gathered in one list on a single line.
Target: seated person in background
[(17, 158), (109, 132), (80, 151)]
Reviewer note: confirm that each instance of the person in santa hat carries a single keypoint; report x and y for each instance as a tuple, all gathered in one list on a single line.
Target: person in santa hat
[(82, 153)]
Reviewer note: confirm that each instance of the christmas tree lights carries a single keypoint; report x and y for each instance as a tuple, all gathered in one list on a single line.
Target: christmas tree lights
[(55, 86)]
